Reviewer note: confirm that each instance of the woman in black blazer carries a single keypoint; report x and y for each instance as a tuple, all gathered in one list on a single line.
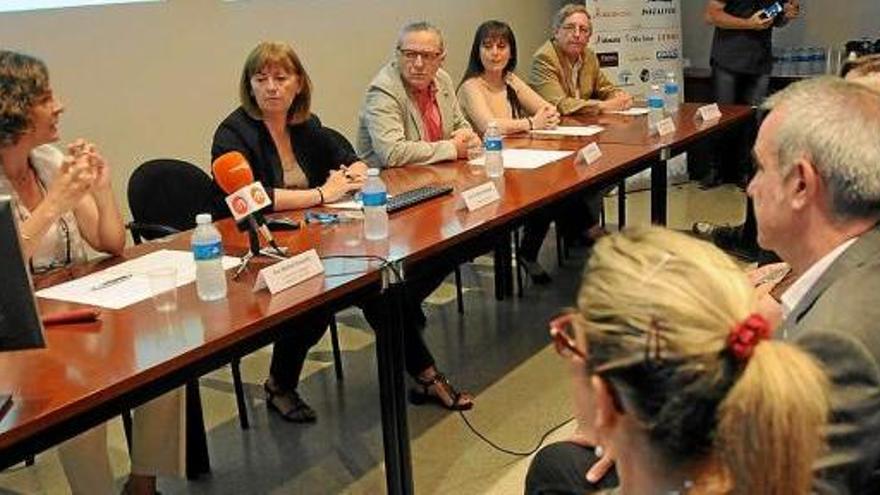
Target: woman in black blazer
[(303, 164)]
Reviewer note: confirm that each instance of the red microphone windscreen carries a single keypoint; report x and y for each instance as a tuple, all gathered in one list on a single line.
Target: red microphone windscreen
[(232, 171)]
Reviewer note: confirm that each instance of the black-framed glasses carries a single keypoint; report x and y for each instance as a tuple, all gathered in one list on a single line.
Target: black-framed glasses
[(413, 55)]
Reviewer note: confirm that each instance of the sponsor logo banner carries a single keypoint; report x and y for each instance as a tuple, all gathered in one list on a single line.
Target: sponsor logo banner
[(637, 41)]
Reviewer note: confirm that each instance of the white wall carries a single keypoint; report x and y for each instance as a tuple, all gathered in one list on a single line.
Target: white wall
[(154, 80), (823, 23)]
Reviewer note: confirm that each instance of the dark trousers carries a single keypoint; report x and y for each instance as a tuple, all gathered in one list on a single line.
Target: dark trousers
[(734, 87), (744, 89), (573, 217), (419, 284), (289, 353), (561, 468), (534, 232)]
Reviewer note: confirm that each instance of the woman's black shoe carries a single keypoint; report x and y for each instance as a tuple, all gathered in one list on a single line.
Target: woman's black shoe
[(288, 404), (535, 272)]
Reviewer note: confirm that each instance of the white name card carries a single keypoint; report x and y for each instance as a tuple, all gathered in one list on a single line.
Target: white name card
[(665, 127), (709, 112), (291, 271), (480, 196), (590, 153)]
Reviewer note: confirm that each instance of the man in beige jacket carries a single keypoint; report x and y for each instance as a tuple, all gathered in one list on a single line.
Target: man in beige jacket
[(410, 114), (566, 73)]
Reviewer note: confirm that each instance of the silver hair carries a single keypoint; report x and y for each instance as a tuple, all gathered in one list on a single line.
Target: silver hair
[(562, 14), (418, 27), (835, 124)]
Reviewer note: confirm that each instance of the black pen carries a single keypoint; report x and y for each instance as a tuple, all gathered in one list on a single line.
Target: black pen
[(111, 282)]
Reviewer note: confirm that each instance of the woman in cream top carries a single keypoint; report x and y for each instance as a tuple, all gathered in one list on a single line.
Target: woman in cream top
[(491, 91)]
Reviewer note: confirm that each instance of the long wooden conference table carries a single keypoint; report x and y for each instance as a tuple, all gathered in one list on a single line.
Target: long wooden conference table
[(91, 372)]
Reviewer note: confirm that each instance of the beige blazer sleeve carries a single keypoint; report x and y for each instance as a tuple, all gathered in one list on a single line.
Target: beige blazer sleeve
[(386, 124)]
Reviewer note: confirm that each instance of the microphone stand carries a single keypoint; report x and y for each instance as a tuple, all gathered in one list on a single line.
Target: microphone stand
[(254, 242)]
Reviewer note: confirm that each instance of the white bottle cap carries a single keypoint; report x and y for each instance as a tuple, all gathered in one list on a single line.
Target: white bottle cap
[(203, 219), (372, 172)]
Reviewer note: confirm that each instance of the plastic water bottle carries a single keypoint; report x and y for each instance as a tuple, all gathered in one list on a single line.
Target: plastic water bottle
[(801, 61), (207, 247), (655, 107), (785, 62), (777, 61), (818, 60), (375, 198), (671, 93), (493, 144)]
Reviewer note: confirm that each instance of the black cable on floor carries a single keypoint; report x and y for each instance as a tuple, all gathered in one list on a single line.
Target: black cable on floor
[(389, 264), (508, 451)]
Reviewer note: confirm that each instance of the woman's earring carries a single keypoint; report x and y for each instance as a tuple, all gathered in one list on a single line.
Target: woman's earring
[(599, 451)]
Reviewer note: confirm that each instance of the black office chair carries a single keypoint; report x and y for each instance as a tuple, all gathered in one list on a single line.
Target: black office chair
[(164, 196)]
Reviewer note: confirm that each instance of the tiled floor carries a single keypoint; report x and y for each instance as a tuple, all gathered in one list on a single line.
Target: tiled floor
[(497, 350)]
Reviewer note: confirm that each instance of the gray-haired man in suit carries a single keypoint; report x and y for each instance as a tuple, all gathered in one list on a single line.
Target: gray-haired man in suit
[(817, 202), (410, 114)]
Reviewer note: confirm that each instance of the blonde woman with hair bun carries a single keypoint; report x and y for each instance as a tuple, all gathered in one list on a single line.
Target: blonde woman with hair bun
[(676, 377)]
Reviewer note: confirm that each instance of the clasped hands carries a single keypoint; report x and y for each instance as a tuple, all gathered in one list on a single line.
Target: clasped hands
[(620, 100), (463, 139), (345, 180), (547, 117), (599, 468), (82, 171)]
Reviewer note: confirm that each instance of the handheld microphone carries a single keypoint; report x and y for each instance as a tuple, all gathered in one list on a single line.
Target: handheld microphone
[(245, 197)]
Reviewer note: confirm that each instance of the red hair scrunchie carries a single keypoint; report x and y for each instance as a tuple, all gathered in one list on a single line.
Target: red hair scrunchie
[(745, 336)]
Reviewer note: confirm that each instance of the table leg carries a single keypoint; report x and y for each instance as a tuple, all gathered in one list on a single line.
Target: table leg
[(658, 188), (392, 390), (503, 268), (621, 204), (197, 460)]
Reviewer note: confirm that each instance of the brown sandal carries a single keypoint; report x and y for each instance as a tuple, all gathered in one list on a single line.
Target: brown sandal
[(424, 396)]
